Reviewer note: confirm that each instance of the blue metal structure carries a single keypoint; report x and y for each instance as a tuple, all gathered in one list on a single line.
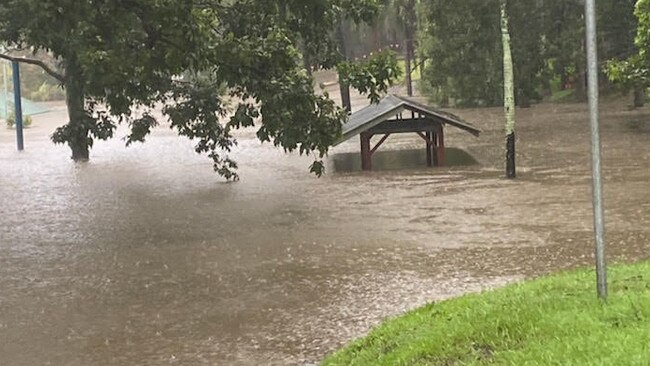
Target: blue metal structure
[(18, 107)]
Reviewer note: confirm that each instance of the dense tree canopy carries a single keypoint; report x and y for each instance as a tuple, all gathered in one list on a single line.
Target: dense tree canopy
[(461, 42), (633, 72), (114, 55)]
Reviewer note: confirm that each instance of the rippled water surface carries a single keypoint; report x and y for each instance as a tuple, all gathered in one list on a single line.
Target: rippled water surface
[(145, 257)]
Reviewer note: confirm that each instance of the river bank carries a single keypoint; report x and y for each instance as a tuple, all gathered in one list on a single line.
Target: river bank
[(548, 321)]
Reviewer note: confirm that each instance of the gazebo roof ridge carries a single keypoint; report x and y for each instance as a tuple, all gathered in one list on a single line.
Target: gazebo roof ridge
[(392, 105), (449, 117)]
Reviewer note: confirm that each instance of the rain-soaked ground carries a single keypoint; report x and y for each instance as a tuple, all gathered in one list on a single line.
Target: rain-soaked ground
[(145, 257)]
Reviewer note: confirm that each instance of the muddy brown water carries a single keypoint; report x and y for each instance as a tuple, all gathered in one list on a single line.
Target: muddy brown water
[(144, 257)]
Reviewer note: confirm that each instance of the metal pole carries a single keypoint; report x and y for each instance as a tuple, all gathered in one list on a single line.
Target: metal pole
[(592, 81), (18, 107)]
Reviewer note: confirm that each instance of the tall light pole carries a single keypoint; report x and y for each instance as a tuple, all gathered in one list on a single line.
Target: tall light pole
[(592, 84)]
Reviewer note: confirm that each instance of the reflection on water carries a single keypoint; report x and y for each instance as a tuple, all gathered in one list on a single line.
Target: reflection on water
[(144, 257), (399, 160)]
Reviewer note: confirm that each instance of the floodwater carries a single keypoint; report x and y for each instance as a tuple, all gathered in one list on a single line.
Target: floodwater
[(145, 257)]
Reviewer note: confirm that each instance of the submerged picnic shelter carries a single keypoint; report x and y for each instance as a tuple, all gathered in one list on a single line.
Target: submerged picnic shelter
[(395, 114)]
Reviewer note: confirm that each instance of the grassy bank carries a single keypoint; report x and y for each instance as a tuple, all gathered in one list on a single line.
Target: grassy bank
[(555, 320)]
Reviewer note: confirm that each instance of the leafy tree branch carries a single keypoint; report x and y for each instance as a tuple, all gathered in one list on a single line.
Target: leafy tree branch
[(58, 76)]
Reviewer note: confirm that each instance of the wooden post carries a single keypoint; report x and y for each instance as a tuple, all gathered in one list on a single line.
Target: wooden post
[(366, 155), (434, 148), (441, 146), (430, 138)]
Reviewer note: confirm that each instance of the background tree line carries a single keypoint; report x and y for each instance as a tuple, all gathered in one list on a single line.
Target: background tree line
[(461, 42)]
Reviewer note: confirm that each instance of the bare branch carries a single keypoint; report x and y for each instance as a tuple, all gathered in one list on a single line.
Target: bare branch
[(38, 63)]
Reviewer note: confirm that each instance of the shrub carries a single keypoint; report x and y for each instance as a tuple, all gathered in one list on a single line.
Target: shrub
[(11, 121)]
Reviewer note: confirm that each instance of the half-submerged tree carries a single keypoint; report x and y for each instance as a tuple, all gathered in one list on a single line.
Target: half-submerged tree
[(508, 92), (407, 15), (117, 56)]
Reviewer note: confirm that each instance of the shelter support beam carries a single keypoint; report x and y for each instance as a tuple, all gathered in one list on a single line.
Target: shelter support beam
[(440, 148), (383, 139), (366, 153), (429, 140), (405, 126), (433, 148)]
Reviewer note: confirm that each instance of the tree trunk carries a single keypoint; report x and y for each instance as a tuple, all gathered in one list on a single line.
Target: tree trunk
[(344, 87), (509, 93), (408, 69), (345, 95), (523, 101), (307, 64), (306, 58), (581, 79), (564, 80), (77, 129), (639, 97), (548, 90), (410, 22)]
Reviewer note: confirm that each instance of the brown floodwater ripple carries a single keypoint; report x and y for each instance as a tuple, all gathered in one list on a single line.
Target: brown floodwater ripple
[(144, 257)]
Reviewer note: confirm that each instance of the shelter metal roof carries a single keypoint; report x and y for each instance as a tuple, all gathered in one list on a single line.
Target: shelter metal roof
[(390, 106)]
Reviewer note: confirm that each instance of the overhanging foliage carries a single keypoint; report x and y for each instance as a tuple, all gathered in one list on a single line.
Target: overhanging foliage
[(116, 56)]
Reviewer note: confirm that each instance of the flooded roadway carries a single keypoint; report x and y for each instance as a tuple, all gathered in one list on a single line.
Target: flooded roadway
[(145, 257)]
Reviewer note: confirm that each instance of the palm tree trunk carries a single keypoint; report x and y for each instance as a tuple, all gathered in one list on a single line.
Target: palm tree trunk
[(508, 93)]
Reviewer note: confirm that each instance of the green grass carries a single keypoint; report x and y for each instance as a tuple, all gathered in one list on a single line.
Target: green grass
[(555, 320)]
